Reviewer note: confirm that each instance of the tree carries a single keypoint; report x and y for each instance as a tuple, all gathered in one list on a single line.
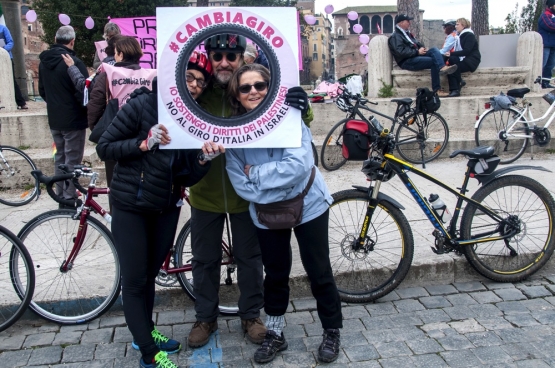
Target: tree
[(262, 3), (99, 10), (202, 2), (528, 19), (480, 17), (412, 9)]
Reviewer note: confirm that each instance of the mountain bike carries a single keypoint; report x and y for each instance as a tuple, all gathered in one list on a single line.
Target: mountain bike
[(17, 185), (420, 137), (77, 267), (510, 130), (505, 231), (15, 264)]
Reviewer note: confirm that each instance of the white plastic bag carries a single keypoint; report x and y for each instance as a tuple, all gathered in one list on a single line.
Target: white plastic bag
[(354, 85)]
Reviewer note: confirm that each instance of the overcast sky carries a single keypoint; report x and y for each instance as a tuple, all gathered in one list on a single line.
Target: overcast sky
[(437, 9)]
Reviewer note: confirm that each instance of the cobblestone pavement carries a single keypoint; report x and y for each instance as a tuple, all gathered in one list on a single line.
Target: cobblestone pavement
[(470, 324)]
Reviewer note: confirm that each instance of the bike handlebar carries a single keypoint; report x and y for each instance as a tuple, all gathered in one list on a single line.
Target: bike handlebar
[(49, 181)]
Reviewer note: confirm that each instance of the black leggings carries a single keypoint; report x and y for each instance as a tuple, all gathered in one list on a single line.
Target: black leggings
[(142, 242)]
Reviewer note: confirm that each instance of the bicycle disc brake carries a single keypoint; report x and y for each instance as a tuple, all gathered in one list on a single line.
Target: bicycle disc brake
[(542, 136), (512, 225)]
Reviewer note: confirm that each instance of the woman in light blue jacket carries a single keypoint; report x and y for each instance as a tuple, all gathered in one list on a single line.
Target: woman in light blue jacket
[(267, 175)]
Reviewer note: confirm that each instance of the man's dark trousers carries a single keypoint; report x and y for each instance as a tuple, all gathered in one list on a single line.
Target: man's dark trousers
[(432, 60)]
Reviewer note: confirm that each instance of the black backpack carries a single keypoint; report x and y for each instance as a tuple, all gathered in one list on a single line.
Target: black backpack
[(426, 101)]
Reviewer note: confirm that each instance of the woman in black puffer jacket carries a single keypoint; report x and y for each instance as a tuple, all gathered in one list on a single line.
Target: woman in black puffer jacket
[(145, 193)]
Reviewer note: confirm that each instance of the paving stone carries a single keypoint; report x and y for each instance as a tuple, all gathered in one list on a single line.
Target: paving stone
[(298, 318), (170, 317), (394, 334), (78, 353), (538, 305), (380, 309), (353, 325), (465, 287), (534, 363), (392, 349), (304, 304), (459, 312), (512, 307), (460, 358), (509, 335), (460, 299), (231, 353), (405, 319), (125, 362), (73, 328), (122, 334), (466, 326), (113, 321), (510, 294), (296, 346), (353, 339), (550, 288), (433, 315), (493, 285), (352, 312), (11, 342), (110, 351), (492, 354), (41, 339), (494, 323), (389, 297), (412, 293), (456, 342), (231, 339), (407, 306), (312, 342), (484, 338), (397, 362), (293, 331), (428, 361), (67, 338), (424, 346), (433, 302), (361, 353), (521, 320), (483, 297), (441, 289), (15, 358), (313, 329), (45, 356), (365, 364), (435, 326), (539, 332), (299, 360), (94, 324), (521, 351), (543, 317), (485, 310), (377, 323), (100, 336), (535, 291)]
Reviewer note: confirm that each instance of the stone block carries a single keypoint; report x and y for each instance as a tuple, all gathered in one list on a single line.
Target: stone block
[(483, 338), (465, 287), (431, 302), (466, 326), (408, 305), (46, 356), (491, 355), (424, 346), (392, 349), (41, 339), (483, 297), (15, 358), (78, 353), (441, 289), (100, 336), (412, 293), (428, 361), (110, 351), (361, 353)]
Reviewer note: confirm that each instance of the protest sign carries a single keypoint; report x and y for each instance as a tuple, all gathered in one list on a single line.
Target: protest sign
[(144, 30), (272, 123)]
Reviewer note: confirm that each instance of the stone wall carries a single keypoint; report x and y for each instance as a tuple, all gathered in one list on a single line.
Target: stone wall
[(432, 33)]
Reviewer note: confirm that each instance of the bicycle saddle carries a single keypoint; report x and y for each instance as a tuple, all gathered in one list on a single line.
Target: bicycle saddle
[(518, 92), (402, 101), (478, 152)]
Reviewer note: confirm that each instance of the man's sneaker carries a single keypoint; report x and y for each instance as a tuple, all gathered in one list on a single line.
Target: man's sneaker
[(200, 333), (163, 343), (448, 69), (255, 330), (329, 348), (161, 360), (271, 345)]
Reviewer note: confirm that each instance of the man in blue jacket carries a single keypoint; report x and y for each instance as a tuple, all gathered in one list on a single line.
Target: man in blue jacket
[(6, 42), (546, 27)]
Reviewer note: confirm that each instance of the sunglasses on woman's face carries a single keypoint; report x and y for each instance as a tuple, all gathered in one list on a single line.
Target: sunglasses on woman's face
[(201, 83), (259, 86), (230, 56)]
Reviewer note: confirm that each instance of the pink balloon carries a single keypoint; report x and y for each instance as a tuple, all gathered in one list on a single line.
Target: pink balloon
[(363, 38), (64, 19), (89, 23), (31, 16), (328, 9), (352, 15), (310, 19), (363, 49), (357, 28)]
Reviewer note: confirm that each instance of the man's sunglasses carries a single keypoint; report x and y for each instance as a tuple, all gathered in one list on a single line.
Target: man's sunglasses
[(259, 86), (230, 56), (201, 83)]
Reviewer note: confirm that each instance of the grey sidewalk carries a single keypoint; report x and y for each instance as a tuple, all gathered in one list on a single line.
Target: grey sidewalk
[(470, 324)]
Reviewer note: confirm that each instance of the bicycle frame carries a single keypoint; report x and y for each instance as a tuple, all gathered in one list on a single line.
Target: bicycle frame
[(448, 231)]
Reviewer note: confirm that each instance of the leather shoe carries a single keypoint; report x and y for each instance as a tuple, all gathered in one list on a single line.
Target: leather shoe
[(200, 333), (546, 86), (454, 93), (255, 330), (463, 83), (442, 93), (448, 69)]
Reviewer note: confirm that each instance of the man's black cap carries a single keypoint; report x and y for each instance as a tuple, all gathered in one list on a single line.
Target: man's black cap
[(402, 17)]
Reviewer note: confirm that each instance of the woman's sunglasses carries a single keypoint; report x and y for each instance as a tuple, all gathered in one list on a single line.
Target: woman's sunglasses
[(230, 56), (201, 83), (259, 86)]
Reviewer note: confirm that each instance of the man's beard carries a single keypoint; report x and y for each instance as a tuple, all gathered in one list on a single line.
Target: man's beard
[(223, 78)]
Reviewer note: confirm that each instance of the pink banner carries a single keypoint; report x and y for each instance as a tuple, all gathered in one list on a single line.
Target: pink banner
[(144, 30)]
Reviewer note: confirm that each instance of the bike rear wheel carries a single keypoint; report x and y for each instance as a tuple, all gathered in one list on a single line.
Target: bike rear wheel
[(419, 140), (527, 207), (90, 286), (229, 290), (15, 262), (331, 154), (375, 270), (17, 186), (492, 131)]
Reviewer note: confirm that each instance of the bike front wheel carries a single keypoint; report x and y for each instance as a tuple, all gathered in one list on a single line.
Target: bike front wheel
[(86, 288), (228, 291), (492, 131), (371, 271), (15, 263), (17, 185), (332, 148), (314, 153), (527, 208), (422, 138)]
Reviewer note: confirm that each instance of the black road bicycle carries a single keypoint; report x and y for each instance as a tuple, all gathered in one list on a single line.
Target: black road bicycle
[(505, 231), (420, 137)]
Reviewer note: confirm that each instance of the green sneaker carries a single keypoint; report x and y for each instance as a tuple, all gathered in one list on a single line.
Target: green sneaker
[(161, 360), (163, 343)]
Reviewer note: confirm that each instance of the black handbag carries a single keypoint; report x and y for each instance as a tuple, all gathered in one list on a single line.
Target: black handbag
[(112, 108), (284, 214)]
